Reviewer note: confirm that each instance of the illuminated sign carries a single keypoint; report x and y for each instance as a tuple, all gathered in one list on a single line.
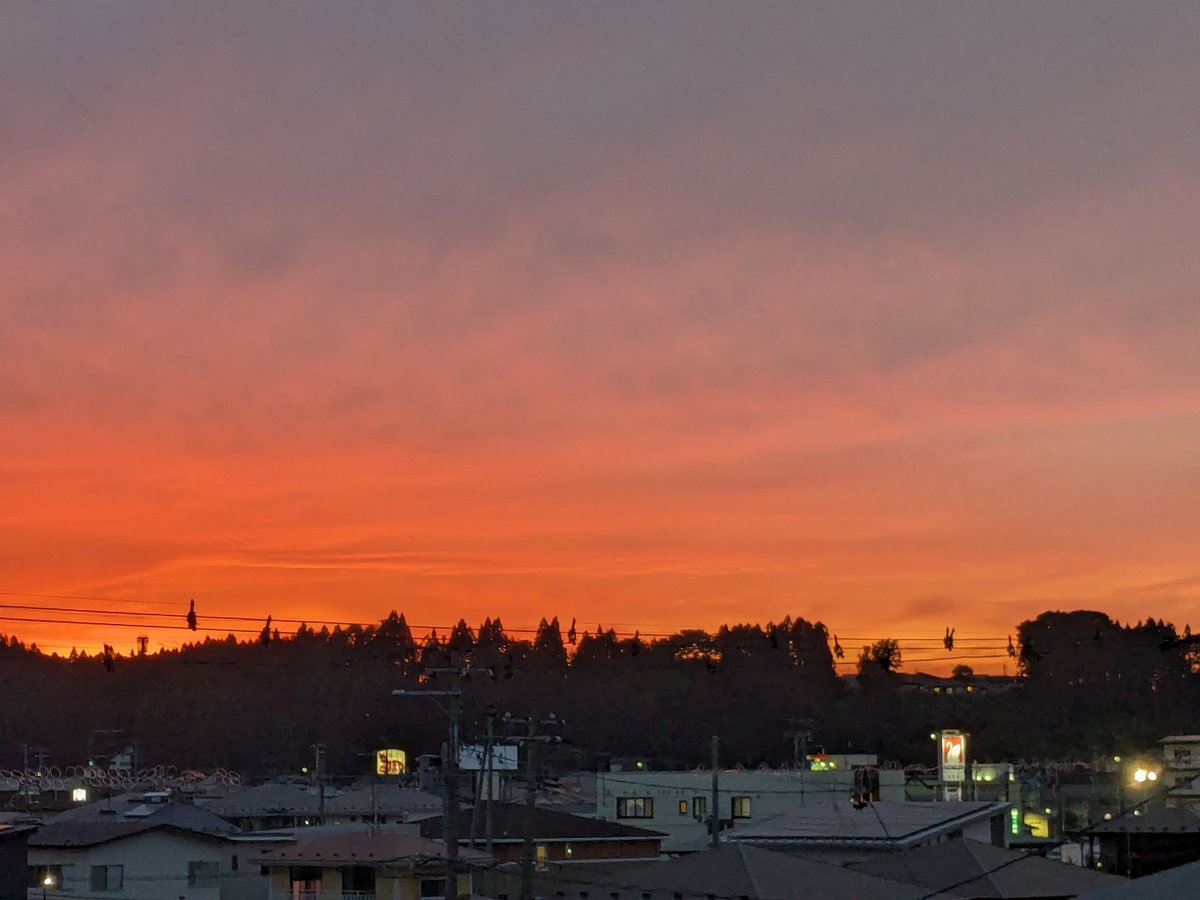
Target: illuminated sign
[(391, 762), (820, 762), (952, 764)]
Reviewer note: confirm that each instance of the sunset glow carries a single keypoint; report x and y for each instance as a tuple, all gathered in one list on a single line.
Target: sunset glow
[(649, 315)]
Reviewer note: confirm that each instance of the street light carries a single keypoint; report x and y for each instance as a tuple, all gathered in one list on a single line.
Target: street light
[(48, 881)]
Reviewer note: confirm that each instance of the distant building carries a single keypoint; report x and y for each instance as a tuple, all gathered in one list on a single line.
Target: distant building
[(838, 832), (558, 838), (677, 803), (1146, 842), (1181, 769), (278, 805), (364, 864)]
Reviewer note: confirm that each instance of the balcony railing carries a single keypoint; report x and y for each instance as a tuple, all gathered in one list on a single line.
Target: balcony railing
[(358, 895)]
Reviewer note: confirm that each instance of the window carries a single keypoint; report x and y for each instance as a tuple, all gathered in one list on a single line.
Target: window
[(635, 807), (683, 807), (700, 807), (202, 873), (433, 887), (542, 857), (233, 863), (51, 878), (107, 878), (740, 807)]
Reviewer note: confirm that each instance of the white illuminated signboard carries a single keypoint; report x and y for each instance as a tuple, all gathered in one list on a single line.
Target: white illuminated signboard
[(952, 764)]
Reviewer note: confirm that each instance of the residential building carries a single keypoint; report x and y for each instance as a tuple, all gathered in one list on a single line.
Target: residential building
[(837, 831), (678, 803), (1181, 769), (364, 865), (558, 838), (144, 847), (1148, 840)]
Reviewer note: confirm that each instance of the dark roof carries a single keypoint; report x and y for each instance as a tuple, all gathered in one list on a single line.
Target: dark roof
[(276, 798), (138, 808), (510, 821), (880, 823), (366, 847), (963, 868), (8, 830), (88, 834), (738, 870), (1165, 820), (1173, 884)]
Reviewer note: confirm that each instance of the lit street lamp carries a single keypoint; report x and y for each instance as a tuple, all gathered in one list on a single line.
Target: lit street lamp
[(47, 883)]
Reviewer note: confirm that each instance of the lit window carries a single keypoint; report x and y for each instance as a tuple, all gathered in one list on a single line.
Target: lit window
[(740, 807), (700, 807), (635, 807), (683, 807), (542, 857)]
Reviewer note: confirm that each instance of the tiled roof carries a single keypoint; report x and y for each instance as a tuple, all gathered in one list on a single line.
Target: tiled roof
[(363, 847), (89, 834), (129, 808)]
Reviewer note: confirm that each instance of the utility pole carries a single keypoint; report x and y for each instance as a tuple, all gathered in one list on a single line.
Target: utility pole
[(319, 775), (453, 711), (714, 822), (530, 791)]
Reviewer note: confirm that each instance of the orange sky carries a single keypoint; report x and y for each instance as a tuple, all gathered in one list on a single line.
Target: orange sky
[(651, 316)]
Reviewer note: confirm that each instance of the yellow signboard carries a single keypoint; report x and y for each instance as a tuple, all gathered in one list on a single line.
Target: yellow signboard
[(391, 762)]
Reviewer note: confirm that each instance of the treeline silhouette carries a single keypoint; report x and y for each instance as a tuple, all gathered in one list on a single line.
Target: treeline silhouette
[(1088, 685)]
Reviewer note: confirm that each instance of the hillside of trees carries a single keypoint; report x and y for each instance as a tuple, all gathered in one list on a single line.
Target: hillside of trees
[(1088, 685)]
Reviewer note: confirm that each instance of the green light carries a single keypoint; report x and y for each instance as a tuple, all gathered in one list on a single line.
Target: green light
[(1014, 820)]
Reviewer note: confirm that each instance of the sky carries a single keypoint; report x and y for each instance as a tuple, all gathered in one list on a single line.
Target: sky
[(646, 314)]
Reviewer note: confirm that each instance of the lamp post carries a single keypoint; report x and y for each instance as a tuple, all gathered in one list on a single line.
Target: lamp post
[(48, 881)]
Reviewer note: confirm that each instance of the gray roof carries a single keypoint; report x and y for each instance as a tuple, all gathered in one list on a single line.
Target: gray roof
[(880, 823), (1179, 883), (736, 870), (134, 808), (88, 834), (387, 799), (962, 868)]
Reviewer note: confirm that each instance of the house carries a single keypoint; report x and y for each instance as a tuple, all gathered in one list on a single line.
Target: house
[(558, 837), (144, 847), (730, 871), (1181, 769), (842, 833), (13, 853), (677, 803), (367, 865), (971, 869), (1147, 841)]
